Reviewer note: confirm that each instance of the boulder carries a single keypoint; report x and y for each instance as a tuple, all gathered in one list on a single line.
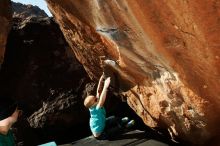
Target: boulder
[(40, 71), (168, 56)]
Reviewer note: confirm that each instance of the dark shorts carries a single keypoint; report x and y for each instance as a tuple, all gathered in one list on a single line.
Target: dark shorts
[(112, 127)]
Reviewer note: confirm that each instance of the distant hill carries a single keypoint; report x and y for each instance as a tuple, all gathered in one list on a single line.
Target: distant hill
[(24, 11)]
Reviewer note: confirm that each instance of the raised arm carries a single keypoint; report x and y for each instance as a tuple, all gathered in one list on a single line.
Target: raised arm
[(99, 86), (104, 92)]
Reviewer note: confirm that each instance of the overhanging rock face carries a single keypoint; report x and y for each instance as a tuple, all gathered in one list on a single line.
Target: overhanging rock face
[(5, 21), (168, 51)]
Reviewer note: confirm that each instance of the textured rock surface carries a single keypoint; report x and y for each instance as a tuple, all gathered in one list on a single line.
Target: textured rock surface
[(167, 50), (39, 69), (41, 72), (5, 21), (24, 11)]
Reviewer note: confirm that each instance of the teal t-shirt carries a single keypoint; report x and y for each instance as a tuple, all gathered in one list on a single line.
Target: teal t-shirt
[(7, 140), (97, 119)]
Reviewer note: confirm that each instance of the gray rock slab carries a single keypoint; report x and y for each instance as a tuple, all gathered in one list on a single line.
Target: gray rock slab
[(131, 138)]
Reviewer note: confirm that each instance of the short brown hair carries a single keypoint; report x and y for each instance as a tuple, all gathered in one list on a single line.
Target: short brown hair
[(89, 101)]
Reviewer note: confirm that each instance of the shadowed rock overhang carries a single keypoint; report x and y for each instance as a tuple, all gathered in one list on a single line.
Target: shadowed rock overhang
[(167, 50)]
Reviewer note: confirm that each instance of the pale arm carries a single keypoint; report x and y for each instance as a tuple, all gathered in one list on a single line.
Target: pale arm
[(103, 94), (99, 84), (6, 124)]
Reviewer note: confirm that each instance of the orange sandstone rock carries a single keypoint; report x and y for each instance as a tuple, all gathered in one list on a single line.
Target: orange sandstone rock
[(168, 50)]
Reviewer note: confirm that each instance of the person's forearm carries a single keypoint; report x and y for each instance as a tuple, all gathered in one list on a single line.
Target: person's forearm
[(102, 97), (104, 92), (99, 84)]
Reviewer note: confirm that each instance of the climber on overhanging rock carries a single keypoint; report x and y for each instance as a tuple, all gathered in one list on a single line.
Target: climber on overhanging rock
[(102, 127), (9, 114)]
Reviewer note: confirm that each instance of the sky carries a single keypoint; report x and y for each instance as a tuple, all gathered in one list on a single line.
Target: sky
[(40, 3)]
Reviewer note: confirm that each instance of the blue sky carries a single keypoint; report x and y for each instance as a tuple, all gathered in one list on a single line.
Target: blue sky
[(40, 3)]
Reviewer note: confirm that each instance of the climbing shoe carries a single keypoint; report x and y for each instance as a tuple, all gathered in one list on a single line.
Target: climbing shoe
[(130, 124), (124, 120)]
